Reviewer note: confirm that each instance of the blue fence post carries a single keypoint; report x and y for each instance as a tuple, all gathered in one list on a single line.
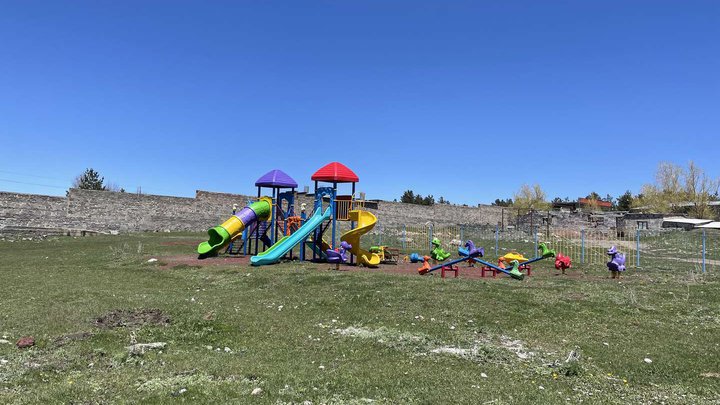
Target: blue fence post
[(497, 236), (582, 245), (703, 250), (637, 247), (430, 237), (404, 244)]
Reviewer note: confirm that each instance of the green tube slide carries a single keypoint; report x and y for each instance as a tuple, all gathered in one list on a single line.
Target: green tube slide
[(221, 235)]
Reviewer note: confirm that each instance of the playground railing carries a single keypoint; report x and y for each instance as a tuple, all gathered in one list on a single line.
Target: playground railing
[(344, 206), (695, 250)]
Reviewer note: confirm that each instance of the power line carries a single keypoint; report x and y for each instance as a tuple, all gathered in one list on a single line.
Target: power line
[(30, 175), (31, 184)]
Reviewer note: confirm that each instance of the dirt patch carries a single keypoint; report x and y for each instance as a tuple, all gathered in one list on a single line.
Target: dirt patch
[(410, 269), (121, 318), (182, 243), (73, 337), (192, 261)]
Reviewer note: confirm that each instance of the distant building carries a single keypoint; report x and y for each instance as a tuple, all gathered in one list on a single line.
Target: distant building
[(581, 203)]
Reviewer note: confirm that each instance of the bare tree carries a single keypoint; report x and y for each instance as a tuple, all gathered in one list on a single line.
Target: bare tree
[(531, 198), (675, 188), (699, 189)]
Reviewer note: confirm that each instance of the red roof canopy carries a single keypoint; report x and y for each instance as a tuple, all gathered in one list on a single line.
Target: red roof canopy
[(335, 172)]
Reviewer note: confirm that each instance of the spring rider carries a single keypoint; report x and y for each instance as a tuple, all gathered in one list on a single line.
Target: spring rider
[(616, 265), (562, 262), (437, 253), (338, 256)]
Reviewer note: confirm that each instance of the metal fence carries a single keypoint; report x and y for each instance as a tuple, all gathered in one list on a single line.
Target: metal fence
[(669, 249)]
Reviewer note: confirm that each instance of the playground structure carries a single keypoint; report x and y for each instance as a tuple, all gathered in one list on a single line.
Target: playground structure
[(269, 230), (272, 223), (249, 227), (223, 234), (365, 222), (329, 209)]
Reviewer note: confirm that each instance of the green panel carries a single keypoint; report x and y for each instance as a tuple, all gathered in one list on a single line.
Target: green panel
[(218, 238), (261, 209)]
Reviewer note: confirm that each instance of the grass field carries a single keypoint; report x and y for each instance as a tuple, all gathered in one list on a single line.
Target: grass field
[(302, 333)]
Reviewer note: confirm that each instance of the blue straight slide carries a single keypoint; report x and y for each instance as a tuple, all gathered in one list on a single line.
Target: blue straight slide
[(278, 250)]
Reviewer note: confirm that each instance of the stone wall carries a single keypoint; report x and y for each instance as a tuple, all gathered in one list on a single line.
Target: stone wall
[(393, 214), (30, 211), (103, 211)]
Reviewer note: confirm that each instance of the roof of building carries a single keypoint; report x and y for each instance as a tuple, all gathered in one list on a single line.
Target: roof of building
[(711, 225), (688, 221), (276, 178), (335, 172), (600, 203), (692, 204)]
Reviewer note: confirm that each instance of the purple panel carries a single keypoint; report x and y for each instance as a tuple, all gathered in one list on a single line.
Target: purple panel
[(246, 215), (276, 178)]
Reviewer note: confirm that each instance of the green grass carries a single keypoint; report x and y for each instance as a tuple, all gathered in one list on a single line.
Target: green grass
[(301, 332)]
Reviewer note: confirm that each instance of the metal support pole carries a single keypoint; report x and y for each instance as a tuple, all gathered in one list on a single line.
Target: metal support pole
[(637, 248), (704, 237), (430, 237), (462, 236), (535, 237), (334, 215), (582, 246), (404, 241), (547, 227), (273, 214), (497, 238)]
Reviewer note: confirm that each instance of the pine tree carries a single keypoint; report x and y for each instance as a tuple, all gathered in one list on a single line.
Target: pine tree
[(408, 197), (90, 180)]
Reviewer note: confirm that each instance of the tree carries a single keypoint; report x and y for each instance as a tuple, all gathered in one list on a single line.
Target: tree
[(699, 190), (592, 202), (677, 190), (611, 200), (89, 180), (429, 200), (503, 203), (557, 200), (531, 198), (112, 186), (625, 202), (442, 200), (408, 197)]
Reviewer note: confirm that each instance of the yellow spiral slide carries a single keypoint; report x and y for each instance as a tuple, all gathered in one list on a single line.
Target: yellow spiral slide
[(365, 223)]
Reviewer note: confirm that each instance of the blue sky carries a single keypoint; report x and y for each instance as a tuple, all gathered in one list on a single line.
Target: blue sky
[(462, 99)]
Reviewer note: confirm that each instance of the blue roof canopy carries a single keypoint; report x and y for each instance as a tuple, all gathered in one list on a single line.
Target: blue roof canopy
[(277, 179)]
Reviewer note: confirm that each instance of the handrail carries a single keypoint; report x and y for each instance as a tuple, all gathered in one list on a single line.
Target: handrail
[(343, 208)]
